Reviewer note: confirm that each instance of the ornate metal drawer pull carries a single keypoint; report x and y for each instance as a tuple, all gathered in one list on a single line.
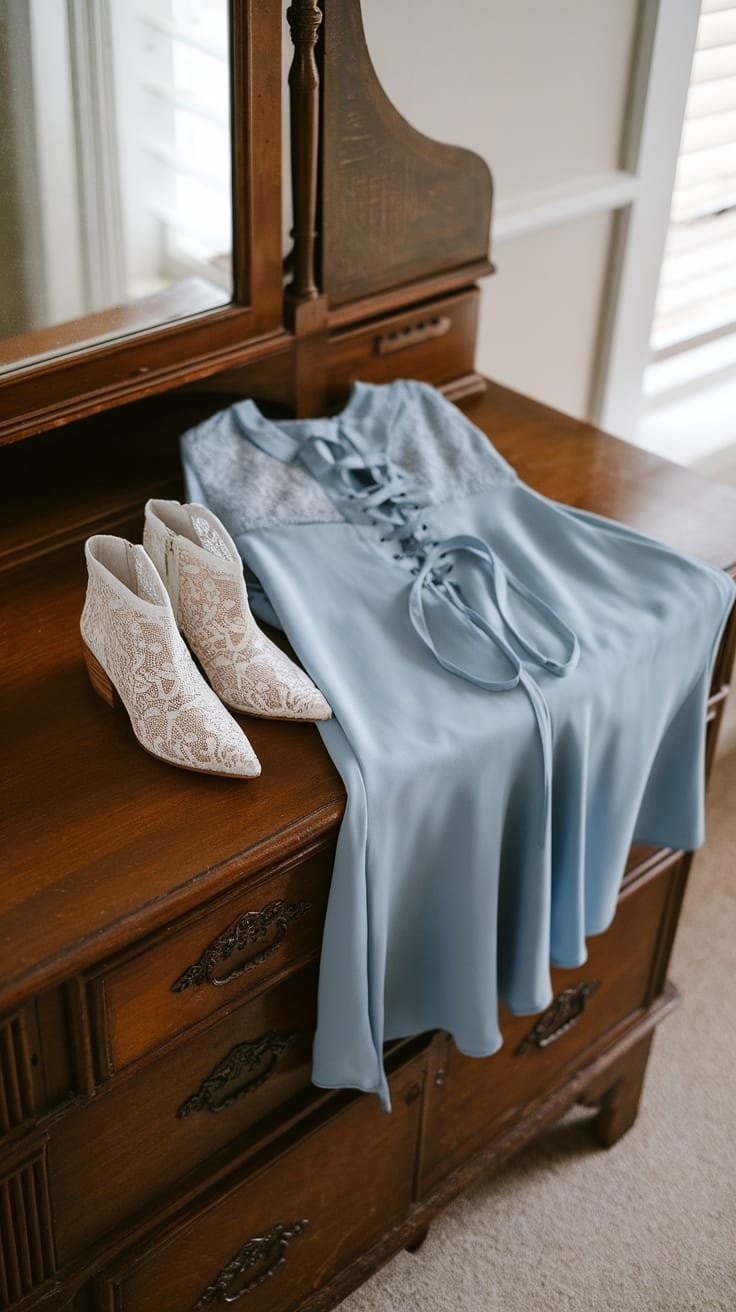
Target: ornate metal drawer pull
[(400, 338), (212, 1096), (565, 1012), (267, 1252), (251, 927)]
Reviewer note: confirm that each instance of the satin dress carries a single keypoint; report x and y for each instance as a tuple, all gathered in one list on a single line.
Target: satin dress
[(517, 689)]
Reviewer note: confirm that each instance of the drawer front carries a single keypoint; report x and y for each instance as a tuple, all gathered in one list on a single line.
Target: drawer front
[(434, 342), (289, 1228), (124, 1149), (272, 926), (470, 1099)]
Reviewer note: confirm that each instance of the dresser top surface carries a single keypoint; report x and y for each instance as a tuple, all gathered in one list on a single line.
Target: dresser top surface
[(103, 844)]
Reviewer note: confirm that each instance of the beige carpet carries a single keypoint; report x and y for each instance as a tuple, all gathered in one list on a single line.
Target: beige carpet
[(649, 1224)]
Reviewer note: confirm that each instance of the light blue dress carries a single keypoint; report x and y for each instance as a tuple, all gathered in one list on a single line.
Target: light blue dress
[(517, 687)]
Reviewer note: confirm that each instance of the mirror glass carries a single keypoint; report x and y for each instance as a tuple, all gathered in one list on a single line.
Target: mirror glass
[(115, 205)]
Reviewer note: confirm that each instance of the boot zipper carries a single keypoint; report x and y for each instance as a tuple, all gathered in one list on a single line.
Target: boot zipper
[(171, 570)]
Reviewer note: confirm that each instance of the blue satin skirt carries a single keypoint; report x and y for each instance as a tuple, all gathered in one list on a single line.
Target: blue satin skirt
[(468, 861)]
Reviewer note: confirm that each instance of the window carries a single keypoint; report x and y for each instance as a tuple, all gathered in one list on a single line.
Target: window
[(175, 139), (694, 331)]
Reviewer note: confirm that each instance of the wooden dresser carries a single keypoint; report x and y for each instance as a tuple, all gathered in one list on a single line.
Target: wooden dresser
[(161, 1146)]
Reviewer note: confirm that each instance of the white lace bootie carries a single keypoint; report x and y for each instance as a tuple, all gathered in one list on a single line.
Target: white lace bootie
[(203, 574), (134, 653)]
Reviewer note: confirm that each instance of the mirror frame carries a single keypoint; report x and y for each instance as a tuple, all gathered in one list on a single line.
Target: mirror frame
[(58, 389)]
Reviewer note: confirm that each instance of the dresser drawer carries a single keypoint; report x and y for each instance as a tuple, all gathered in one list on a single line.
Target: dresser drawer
[(434, 342), (258, 933), (471, 1099), (122, 1151), (288, 1228)]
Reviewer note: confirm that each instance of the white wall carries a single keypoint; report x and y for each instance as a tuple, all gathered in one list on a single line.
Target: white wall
[(540, 89)]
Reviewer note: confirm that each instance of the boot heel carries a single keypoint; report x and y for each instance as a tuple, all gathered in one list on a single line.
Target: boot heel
[(100, 681)]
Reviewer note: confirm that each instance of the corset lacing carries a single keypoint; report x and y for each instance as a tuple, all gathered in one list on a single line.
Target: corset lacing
[(372, 489)]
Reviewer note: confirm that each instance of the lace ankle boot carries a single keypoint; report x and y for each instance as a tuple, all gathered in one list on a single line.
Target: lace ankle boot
[(203, 574), (135, 655)]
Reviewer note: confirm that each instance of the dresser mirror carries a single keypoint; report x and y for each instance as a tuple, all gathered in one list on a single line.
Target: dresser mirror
[(116, 147), (140, 212)]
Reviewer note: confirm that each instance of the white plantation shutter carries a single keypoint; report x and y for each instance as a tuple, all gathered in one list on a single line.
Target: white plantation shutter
[(696, 303), (182, 131)]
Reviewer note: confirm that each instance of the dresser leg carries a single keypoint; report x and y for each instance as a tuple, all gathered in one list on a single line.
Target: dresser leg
[(417, 1240), (617, 1094)]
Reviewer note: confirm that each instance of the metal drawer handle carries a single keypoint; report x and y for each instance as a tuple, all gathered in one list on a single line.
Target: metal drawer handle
[(244, 1057), (250, 928), (566, 1011), (267, 1252), (424, 331)]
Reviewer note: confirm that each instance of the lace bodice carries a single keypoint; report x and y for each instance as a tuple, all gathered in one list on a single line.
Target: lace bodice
[(422, 435)]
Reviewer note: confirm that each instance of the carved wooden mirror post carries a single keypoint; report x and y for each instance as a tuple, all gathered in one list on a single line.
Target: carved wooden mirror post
[(384, 217)]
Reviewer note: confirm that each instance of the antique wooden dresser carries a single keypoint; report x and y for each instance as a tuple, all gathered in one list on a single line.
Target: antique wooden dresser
[(161, 1146)]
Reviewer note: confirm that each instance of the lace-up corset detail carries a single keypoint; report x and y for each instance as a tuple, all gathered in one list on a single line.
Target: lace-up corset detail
[(356, 470), (372, 490)]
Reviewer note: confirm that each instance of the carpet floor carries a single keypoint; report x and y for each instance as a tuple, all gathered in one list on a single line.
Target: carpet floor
[(647, 1226)]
